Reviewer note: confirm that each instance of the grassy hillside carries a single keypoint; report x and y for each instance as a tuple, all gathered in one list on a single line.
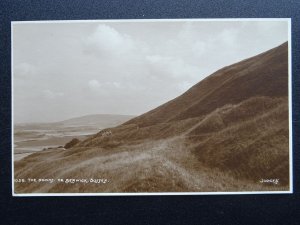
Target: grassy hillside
[(262, 75), (226, 133)]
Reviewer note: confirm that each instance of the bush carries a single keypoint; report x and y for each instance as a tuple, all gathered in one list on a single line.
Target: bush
[(71, 143)]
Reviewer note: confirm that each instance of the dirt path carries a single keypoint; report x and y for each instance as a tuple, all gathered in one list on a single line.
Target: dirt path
[(165, 162)]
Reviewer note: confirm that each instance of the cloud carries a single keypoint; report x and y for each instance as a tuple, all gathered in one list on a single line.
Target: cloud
[(131, 67), (116, 84), (107, 40), (229, 37), (171, 68), (104, 87), (199, 48), (52, 95), (184, 86), (94, 84)]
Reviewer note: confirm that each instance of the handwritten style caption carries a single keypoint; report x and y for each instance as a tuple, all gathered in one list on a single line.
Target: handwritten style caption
[(65, 181)]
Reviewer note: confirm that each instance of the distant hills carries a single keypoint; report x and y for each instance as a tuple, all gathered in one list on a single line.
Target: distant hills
[(94, 120), (226, 133), (101, 120)]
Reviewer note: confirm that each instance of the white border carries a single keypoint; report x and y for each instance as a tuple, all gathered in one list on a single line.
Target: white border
[(12, 112), (162, 193)]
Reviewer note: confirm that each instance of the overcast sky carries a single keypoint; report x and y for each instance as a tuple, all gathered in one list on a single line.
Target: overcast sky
[(64, 70)]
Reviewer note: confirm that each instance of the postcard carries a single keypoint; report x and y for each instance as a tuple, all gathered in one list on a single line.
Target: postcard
[(151, 107)]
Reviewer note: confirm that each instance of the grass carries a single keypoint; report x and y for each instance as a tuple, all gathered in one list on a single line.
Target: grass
[(226, 133), (165, 165)]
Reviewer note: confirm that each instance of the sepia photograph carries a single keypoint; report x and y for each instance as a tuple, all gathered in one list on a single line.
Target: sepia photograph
[(151, 107)]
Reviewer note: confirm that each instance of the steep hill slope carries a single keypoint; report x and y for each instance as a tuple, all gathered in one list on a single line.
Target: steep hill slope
[(262, 75), (232, 119)]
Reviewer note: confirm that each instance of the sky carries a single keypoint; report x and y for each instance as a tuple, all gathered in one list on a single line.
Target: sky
[(65, 70)]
